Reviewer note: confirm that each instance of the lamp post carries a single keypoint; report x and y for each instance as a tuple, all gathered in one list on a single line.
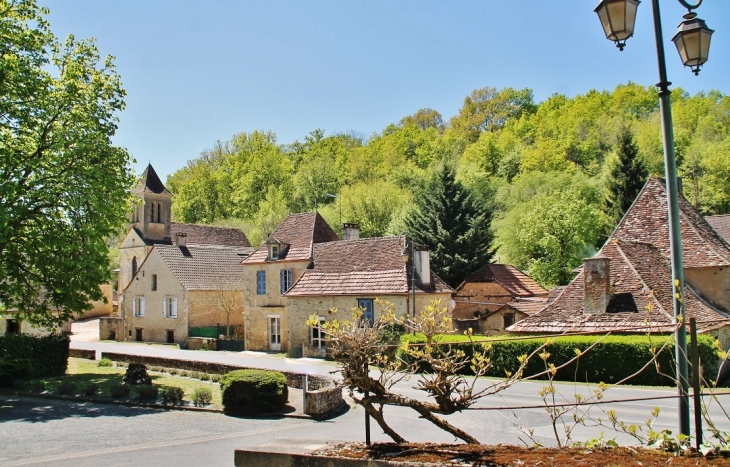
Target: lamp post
[(693, 43), (406, 255)]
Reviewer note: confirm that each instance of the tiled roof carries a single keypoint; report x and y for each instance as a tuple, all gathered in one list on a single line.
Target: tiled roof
[(150, 182), (209, 235), (204, 267), (529, 307), (640, 278), (298, 232), (646, 221), (356, 267), (517, 283), (721, 225)]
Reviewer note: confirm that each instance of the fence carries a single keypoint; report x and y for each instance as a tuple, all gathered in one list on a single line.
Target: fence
[(213, 332)]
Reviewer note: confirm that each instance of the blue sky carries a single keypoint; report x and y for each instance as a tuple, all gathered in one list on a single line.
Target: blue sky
[(197, 72)]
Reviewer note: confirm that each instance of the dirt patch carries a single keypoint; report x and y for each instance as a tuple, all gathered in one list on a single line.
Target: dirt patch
[(507, 455)]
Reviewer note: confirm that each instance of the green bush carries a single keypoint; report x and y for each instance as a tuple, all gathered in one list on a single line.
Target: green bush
[(204, 377), (147, 392), (91, 389), (215, 378), (48, 355), (66, 388), (105, 362), (13, 370), (119, 391), (172, 395), (610, 361), (173, 371), (202, 396), (137, 374), (253, 391)]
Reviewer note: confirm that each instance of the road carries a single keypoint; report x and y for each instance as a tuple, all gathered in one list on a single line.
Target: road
[(43, 432)]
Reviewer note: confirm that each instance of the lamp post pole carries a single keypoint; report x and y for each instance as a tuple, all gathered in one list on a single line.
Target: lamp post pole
[(675, 238), (413, 284)]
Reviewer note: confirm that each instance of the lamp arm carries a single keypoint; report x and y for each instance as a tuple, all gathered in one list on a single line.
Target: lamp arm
[(688, 6)]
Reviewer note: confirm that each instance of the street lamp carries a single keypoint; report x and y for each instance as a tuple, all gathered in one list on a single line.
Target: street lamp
[(405, 256), (693, 43)]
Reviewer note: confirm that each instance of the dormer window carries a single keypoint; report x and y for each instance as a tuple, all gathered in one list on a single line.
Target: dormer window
[(273, 251)]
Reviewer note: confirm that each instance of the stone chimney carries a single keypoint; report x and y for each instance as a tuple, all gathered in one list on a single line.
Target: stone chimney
[(350, 231), (180, 238), (422, 265), (596, 284)]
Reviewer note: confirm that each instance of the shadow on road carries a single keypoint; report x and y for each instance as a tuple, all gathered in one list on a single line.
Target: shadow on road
[(38, 410)]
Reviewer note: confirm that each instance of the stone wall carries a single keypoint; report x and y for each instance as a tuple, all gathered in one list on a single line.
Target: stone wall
[(111, 329), (201, 343)]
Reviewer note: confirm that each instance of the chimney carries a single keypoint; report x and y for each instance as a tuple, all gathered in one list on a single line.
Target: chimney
[(596, 284), (350, 231), (422, 266), (180, 238)]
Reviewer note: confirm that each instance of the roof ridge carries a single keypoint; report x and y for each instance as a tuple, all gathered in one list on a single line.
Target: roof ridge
[(641, 278), (693, 226)]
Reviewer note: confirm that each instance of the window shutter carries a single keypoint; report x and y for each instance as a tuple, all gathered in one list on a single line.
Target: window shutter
[(174, 307), (282, 278), (290, 282), (141, 306), (134, 307), (164, 307)]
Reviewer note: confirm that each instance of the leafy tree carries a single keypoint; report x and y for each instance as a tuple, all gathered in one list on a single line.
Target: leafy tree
[(549, 235), (488, 109), (372, 205), (64, 187), (453, 226), (626, 176), (423, 119)]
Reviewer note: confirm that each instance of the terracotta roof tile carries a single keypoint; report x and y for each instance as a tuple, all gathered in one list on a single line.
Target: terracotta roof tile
[(363, 266), (637, 269), (209, 235), (204, 267), (721, 225), (299, 232), (516, 282), (647, 221), (529, 307)]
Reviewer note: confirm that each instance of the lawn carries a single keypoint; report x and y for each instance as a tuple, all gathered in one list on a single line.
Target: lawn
[(81, 373)]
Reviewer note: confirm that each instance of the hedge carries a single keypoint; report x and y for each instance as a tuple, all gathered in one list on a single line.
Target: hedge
[(610, 361), (47, 355), (253, 391)]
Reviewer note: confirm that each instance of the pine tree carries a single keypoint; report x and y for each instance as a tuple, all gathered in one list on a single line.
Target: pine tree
[(626, 176), (453, 226)]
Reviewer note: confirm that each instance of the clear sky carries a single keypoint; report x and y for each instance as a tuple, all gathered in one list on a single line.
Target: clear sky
[(201, 71)]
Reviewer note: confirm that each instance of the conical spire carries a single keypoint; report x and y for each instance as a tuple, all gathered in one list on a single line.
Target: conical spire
[(150, 182)]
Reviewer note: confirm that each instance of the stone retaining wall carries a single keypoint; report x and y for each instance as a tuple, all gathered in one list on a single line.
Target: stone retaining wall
[(80, 353)]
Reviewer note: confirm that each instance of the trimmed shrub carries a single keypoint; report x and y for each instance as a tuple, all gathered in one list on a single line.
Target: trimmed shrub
[(137, 374), (204, 377), (610, 361), (253, 391), (215, 378), (14, 370), (172, 395), (66, 388), (202, 396), (91, 389), (105, 362), (147, 392), (119, 391), (48, 355)]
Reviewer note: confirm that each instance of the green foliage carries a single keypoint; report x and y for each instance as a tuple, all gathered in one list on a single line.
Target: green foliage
[(452, 226), (13, 370), (91, 389), (202, 397), (147, 391), (136, 374), (64, 186), (253, 391), (172, 395), (48, 355), (610, 361), (119, 391), (105, 362), (626, 176), (66, 388), (373, 206)]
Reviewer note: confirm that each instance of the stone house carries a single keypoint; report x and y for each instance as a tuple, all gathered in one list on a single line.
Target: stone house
[(494, 297), (626, 287), (271, 270), (355, 273)]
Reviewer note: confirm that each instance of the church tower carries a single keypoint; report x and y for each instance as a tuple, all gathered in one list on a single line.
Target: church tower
[(151, 217)]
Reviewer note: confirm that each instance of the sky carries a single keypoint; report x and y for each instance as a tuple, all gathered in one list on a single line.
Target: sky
[(197, 72)]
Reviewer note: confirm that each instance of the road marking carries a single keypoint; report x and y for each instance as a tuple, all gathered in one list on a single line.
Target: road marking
[(159, 444)]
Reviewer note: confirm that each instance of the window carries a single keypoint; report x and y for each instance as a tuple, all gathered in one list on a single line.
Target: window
[(368, 314), (154, 282), (509, 319), (317, 335), (159, 209), (169, 307), (134, 266), (261, 282), (286, 276), (138, 307), (273, 251), (12, 326)]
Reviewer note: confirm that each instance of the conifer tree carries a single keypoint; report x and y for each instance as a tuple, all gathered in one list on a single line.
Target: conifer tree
[(626, 176), (453, 226)]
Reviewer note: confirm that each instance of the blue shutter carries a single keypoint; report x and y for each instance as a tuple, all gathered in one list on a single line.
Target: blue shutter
[(282, 280), (261, 282), (290, 273)]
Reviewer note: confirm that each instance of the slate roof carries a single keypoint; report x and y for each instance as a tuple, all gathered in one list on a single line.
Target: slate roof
[(367, 266), (150, 182), (298, 232), (640, 279), (721, 225), (516, 282), (204, 267), (647, 221)]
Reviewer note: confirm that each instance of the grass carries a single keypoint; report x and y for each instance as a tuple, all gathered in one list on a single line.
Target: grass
[(82, 372)]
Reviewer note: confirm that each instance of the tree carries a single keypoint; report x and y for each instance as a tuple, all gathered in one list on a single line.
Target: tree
[(372, 205), (64, 185), (487, 109), (452, 226), (626, 176), (423, 119)]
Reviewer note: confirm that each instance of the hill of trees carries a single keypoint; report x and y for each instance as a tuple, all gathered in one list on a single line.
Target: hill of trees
[(545, 173)]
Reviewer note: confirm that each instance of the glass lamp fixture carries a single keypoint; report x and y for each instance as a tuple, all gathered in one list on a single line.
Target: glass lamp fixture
[(693, 41), (618, 18)]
